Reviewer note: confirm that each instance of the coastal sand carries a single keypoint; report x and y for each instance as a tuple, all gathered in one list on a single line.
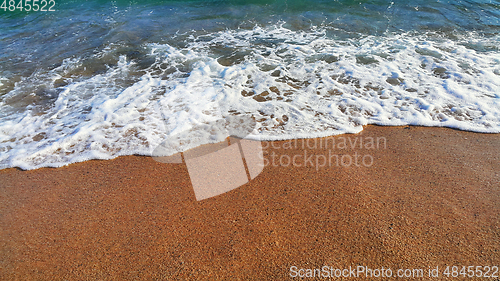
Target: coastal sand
[(430, 198)]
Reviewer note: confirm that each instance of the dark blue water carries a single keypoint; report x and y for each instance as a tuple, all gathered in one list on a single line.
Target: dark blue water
[(31, 40)]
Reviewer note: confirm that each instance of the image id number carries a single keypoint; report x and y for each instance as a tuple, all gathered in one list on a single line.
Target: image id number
[(28, 5)]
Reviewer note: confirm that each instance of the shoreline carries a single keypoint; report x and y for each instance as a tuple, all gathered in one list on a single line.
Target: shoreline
[(430, 198), (317, 142)]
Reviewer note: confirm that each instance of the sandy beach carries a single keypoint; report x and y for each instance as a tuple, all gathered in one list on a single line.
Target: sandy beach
[(429, 198)]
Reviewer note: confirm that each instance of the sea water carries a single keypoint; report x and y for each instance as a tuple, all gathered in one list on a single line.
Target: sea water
[(100, 79)]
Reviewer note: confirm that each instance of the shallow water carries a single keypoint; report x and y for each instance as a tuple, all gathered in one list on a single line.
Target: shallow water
[(99, 79)]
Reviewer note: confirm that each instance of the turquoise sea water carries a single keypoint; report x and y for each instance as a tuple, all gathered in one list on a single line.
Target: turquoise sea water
[(98, 79), (80, 28)]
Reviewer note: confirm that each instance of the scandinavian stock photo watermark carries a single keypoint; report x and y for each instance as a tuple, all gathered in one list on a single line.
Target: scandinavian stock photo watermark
[(383, 273), (335, 151), (220, 167)]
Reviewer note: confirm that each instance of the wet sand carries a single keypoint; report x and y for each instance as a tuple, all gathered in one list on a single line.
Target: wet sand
[(431, 197)]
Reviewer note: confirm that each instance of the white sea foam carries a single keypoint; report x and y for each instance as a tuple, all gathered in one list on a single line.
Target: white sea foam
[(295, 84)]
